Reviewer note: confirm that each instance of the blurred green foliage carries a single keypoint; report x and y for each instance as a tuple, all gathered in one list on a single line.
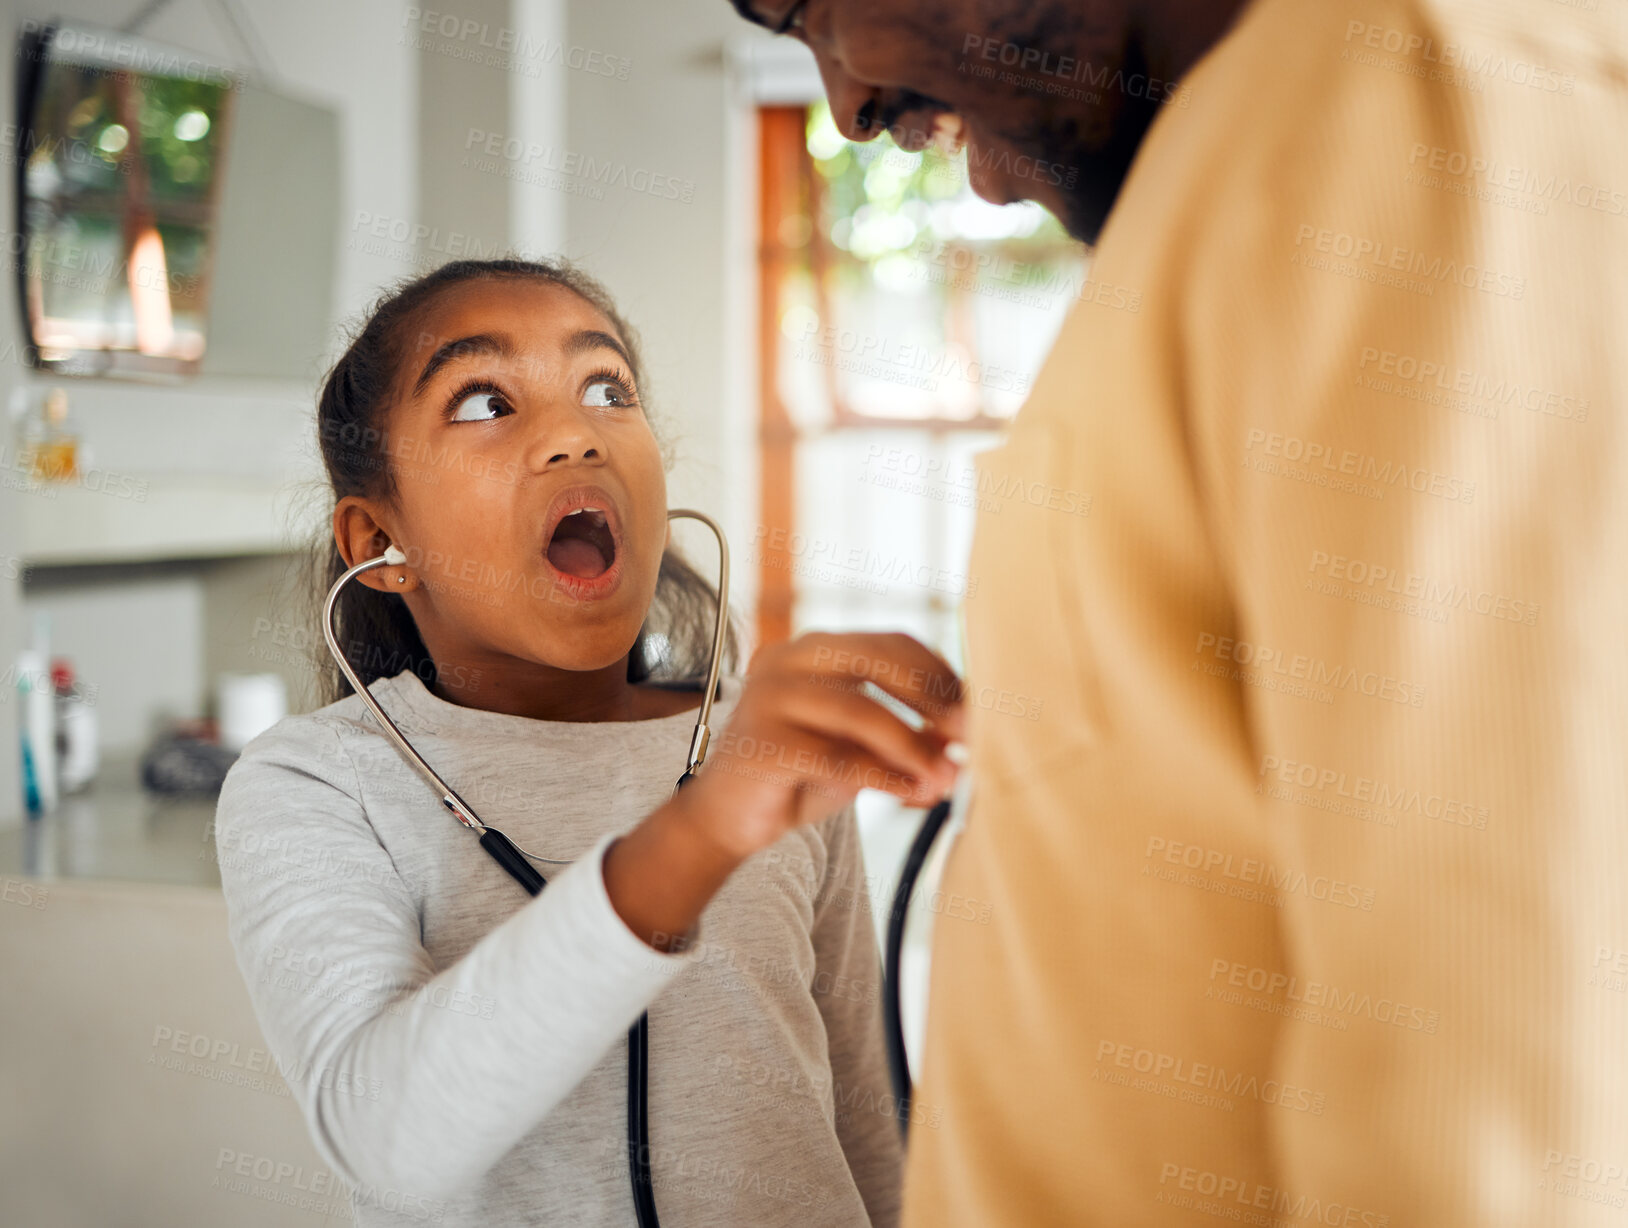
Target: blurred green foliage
[(179, 130), (880, 199)]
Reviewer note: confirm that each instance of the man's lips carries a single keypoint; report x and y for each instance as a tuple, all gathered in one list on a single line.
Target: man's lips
[(916, 130), (949, 133)]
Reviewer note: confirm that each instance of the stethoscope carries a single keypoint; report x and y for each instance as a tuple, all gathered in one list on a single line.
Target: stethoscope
[(517, 863)]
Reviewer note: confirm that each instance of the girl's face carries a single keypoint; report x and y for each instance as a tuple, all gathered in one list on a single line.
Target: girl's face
[(530, 497)]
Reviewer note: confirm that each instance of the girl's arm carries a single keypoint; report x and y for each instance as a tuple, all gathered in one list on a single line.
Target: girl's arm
[(847, 990), (421, 1081), (413, 1083)]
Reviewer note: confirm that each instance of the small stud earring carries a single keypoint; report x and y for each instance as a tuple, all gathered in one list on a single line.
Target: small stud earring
[(401, 579)]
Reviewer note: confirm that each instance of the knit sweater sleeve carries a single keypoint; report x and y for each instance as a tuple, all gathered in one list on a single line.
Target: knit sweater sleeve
[(410, 1077)]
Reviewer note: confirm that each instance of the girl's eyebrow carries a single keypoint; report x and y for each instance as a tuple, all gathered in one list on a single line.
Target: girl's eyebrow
[(594, 339), (501, 346), (495, 344)]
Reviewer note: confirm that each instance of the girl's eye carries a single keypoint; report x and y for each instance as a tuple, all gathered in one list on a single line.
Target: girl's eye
[(602, 393), (477, 407)]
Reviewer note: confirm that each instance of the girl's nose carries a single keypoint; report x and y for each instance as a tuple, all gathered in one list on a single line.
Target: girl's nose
[(564, 439)]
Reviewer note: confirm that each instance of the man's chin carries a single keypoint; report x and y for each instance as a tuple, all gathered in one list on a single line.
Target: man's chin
[(1090, 175), (997, 189), (985, 183), (990, 184)]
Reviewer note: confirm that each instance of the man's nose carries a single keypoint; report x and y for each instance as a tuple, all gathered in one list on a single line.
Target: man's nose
[(854, 105)]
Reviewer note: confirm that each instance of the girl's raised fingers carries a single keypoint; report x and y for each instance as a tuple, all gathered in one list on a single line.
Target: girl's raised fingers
[(897, 663), (830, 764), (833, 707)]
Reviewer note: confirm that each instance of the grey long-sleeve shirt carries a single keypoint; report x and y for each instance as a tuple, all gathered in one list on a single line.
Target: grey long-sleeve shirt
[(458, 1048)]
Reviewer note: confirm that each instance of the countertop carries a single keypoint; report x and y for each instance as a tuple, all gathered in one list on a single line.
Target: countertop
[(117, 830)]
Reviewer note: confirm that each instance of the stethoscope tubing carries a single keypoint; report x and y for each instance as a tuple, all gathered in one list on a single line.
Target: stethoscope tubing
[(898, 1057), (518, 863), (461, 810)]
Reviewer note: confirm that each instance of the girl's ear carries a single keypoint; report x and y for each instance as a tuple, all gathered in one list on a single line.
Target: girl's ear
[(358, 536)]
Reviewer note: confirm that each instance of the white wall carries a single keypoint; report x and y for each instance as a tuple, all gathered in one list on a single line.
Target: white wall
[(13, 628), (639, 89), (683, 271), (142, 1141), (352, 57)]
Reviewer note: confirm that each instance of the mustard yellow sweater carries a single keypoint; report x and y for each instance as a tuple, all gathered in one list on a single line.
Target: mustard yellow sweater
[(1307, 890)]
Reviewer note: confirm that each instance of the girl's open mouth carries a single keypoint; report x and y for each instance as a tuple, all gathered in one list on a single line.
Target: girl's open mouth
[(582, 545)]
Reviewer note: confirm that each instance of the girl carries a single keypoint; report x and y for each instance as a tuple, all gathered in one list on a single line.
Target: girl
[(457, 1047)]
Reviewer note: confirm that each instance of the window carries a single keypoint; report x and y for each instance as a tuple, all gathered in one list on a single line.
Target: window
[(904, 320)]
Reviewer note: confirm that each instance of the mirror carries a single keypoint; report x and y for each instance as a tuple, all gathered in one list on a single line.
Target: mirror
[(175, 218)]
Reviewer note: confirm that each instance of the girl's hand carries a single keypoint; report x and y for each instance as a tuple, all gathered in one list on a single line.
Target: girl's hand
[(805, 737)]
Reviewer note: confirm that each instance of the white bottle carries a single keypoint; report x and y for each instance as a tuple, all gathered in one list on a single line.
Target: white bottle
[(76, 729), (42, 714)]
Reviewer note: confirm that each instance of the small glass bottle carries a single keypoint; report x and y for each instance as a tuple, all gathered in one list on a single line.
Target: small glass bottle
[(50, 446)]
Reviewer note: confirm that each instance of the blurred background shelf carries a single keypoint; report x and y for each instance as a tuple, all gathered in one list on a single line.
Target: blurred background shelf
[(137, 520)]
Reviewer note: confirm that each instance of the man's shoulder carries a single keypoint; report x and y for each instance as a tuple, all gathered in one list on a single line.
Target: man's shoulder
[(1310, 96), (1331, 148)]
